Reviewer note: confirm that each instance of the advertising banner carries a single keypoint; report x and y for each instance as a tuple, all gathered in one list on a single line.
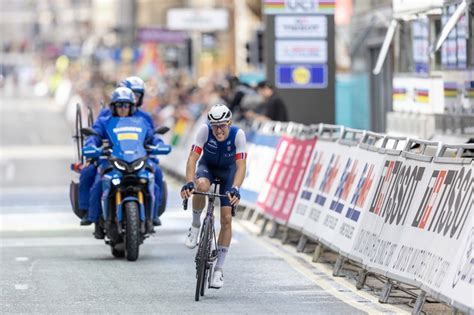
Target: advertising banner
[(260, 150), (434, 249), (279, 192), (342, 197), (418, 225), (318, 199), (349, 203)]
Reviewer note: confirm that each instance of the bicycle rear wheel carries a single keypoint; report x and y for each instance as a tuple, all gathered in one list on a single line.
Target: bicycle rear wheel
[(201, 263), (78, 136)]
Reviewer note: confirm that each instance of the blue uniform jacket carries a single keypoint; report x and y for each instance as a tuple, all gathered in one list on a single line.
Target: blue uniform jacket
[(100, 126)]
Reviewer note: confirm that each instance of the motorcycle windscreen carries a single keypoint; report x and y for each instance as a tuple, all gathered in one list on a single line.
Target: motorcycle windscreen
[(128, 136)]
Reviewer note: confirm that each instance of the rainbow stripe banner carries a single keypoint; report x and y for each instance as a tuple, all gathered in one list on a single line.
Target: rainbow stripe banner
[(299, 6), (328, 6), (422, 96), (399, 94)]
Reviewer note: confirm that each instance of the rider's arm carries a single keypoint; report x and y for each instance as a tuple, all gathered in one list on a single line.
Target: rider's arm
[(196, 150), (191, 166), (240, 158), (100, 127)]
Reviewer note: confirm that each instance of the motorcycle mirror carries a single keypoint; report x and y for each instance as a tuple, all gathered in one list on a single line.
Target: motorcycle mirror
[(89, 132), (162, 130)]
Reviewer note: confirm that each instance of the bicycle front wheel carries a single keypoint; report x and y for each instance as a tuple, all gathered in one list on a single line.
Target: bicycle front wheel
[(201, 263)]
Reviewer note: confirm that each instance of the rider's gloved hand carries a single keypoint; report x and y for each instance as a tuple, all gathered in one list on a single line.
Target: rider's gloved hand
[(187, 190), (234, 196)]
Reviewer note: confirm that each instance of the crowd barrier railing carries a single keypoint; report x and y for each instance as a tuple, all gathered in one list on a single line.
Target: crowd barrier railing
[(399, 207)]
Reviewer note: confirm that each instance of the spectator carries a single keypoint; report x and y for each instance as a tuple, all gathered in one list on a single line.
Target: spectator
[(273, 107)]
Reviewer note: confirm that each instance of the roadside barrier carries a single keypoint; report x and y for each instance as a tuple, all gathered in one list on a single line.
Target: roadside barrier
[(401, 208)]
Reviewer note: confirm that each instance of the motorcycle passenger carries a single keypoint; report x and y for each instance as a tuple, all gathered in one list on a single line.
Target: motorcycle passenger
[(223, 149), (122, 104), (137, 85)]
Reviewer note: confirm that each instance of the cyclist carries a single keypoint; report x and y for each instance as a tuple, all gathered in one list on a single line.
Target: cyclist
[(224, 154)]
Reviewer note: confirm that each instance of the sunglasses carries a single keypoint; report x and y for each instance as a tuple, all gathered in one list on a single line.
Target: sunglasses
[(122, 105), (220, 126)]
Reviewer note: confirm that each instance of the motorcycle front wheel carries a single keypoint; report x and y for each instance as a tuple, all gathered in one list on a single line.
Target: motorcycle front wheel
[(132, 231)]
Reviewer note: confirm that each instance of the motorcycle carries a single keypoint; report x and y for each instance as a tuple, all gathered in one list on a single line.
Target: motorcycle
[(127, 169)]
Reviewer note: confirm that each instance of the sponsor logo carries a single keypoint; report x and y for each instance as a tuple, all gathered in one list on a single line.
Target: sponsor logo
[(125, 129), (395, 191), (446, 203), (345, 184), (465, 268), (360, 193), (328, 179)]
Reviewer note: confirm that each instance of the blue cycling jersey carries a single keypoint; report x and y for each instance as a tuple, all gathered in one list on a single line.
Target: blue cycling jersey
[(220, 154)]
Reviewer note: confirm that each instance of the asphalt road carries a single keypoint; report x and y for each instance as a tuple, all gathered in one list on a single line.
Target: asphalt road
[(51, 265)]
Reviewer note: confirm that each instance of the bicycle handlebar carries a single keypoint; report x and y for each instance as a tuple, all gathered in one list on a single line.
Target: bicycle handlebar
[(185, 201)]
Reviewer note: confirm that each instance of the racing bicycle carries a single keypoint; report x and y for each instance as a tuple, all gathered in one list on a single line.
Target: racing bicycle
[(207, 247)]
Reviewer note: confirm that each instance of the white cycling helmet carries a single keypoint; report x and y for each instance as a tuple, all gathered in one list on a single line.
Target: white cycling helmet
[(219, 113)]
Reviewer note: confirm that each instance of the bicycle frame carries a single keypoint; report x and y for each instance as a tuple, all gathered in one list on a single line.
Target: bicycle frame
[(204, 257)]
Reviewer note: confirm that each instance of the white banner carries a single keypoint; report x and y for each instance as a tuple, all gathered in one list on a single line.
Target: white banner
[(301, 51), (417, 226), (331, 162), (311, 180), (260, 150), (301, 26)]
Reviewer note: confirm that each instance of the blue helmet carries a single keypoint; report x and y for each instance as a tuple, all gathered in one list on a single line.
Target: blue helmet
[(137, 85), (122, 95)]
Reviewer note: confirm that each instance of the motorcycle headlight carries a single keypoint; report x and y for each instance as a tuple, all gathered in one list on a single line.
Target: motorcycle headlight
[(138, 165), (120, 165)]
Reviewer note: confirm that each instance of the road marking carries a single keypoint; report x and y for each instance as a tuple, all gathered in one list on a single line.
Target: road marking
[(37, 152), (323, 278), (21, 259), (9, 172), (21, 286)]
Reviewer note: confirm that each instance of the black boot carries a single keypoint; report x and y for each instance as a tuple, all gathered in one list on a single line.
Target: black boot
[(85, 221), (156, 221), (149, 226), (99, 232)]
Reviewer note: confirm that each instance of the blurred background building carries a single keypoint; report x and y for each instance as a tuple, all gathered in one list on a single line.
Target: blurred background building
[(400, 66)]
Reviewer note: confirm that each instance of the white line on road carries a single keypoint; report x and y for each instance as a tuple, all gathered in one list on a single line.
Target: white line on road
[(21, 259), (21, 286), (9, 172), (37, 152)]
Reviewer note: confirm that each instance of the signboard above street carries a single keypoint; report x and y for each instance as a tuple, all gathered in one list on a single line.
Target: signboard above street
[(301, 51), (301, 26), (161, 35), (205, 20)]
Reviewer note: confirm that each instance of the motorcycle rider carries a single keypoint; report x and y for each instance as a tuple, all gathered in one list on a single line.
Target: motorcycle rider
[(122, 104), (89, 171)]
